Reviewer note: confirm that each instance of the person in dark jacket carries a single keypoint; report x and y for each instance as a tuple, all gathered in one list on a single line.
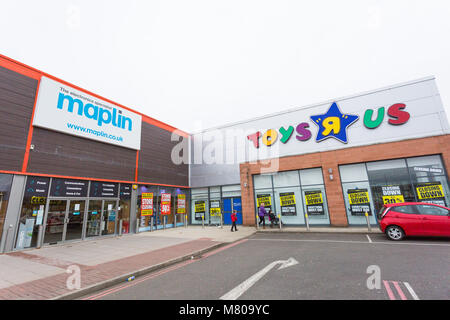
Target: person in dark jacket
[(261, 214), (233, 221), (272, 218)]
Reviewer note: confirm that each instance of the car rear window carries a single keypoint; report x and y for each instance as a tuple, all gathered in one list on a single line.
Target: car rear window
[(381, 212)]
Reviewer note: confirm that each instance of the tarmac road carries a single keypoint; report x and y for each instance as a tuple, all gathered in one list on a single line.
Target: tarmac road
[(321, 267)]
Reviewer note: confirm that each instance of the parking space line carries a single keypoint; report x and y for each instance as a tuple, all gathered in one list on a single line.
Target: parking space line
[(399, 290), (355, 241), (370, 240), (411, 291), (388, 290)]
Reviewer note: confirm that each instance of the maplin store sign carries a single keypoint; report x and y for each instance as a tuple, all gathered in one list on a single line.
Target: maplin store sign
[(65, 109)]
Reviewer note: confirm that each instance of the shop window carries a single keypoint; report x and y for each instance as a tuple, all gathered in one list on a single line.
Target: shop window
[(429, 180), (390, 182), (32, 212), (293, 194), (124, 207), (264, 197), (199, 205), (314, 196), (286, 179), (311, 176), (289, 204), (147, 207), (418, 179), (357, 194), (425, 167), (231, 191), (353, 172), (5, 189), (199, 191), (262, 181), (181, 205), (215, 207), (315, 204), (165, 207), (358, 201)]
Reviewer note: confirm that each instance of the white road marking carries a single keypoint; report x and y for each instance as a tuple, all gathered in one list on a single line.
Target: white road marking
[(348, 241), (370, 240), (244, 286), (411, 291)]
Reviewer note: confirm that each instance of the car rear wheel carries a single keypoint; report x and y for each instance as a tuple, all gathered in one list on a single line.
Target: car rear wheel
[(395, 233)]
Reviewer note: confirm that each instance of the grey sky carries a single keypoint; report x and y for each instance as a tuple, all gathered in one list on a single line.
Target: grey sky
[(185, 61)]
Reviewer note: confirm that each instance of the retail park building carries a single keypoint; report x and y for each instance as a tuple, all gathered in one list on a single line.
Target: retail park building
[(75, 165)]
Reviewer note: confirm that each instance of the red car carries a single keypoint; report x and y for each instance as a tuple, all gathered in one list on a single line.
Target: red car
[(398, 220)]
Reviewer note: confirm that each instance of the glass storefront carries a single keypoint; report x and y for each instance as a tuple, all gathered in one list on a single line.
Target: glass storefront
[(294, 195), (32, 212), (162, 204), (215, 204), (180, 205), (70, 209), (147, 208), (368, 186), (199, 205), (125, 207), (5, 189)]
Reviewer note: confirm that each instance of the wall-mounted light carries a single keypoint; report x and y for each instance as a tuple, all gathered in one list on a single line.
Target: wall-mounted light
[(331, 177), (245, 185), (330, 170)]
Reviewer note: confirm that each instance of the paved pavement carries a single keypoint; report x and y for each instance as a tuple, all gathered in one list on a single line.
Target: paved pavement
[(43, 273)]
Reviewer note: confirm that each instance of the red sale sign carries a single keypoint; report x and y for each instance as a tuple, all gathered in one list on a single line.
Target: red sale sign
[(165, 203)]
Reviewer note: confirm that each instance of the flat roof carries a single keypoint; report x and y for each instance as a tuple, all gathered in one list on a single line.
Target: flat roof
[(329, 101)]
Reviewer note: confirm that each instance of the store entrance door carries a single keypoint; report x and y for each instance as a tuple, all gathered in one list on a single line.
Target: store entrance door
[(230, 204), (109, 217), (64, 220)]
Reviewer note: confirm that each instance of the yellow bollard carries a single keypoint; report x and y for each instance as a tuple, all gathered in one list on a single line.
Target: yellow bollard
[(368, 222)]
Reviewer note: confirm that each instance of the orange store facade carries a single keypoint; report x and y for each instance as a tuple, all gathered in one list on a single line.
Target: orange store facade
[(75, 165)]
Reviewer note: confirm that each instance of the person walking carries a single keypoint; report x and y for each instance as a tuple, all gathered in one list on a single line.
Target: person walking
[(233, 221), (261, 214)]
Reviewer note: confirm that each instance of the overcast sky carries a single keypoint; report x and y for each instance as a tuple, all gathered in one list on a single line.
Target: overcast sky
[(201, 63)]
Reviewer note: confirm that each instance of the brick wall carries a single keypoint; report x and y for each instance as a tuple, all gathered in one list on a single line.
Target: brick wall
[(332, 159)]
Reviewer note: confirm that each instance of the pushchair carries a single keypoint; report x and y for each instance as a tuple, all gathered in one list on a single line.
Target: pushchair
[(273, 219)]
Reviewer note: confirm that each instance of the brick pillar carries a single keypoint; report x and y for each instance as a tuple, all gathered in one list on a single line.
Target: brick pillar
[(248, 203), (335, 199)]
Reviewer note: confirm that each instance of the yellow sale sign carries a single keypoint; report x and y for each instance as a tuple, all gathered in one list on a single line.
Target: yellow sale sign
[(147, 204)]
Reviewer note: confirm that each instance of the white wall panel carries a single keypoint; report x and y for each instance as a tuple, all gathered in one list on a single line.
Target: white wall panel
[(421, 97)]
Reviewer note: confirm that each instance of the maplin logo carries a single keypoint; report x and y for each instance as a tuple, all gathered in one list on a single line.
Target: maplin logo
[(102, 116)]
